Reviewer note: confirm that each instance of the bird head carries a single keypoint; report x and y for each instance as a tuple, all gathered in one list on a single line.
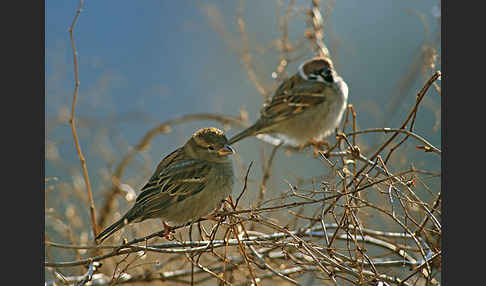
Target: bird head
[(209, 144), (318, 69)]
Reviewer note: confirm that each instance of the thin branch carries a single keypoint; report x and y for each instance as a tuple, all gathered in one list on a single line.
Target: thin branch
[(244, 186), (266, 175), (431, 147), (316, 24), (420, 96), (73, 125), (246, 57)]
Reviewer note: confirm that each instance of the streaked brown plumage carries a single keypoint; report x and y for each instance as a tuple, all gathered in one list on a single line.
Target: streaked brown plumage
[(308, 105), (187, 184)]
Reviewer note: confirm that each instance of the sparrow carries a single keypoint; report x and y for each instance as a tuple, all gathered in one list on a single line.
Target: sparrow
[(188, 184), (306, 107)]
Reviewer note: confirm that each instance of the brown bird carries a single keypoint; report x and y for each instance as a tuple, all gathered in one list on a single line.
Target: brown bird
[(189, 183), (306, 107)]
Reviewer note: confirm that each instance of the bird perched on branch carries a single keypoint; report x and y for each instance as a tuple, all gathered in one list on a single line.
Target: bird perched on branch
[(189, 183), (306, 107)]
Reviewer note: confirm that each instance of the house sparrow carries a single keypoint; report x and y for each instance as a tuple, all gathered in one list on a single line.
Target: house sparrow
[(189, 183), (306, 107)]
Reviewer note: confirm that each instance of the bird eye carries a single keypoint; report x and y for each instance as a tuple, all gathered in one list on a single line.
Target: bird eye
[(211, 148), (317, 73), (327, 75)]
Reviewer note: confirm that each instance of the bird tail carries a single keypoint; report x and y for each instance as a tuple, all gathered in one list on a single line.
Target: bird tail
[(250, 131), (113, 228)]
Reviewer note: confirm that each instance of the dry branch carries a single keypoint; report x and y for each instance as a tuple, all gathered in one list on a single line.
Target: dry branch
[(73, 124)]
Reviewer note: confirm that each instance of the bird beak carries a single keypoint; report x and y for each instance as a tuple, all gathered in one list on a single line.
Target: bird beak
[(226, 150)]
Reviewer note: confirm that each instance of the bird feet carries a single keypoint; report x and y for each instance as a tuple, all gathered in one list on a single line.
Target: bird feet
[(214, 216), (317, 144), (168, 232)]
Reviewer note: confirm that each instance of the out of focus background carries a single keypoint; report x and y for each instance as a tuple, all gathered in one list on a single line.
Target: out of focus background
[(143, 63)]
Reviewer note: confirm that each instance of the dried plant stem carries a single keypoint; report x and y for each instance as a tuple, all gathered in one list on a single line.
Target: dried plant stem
[(404, 131), (246, 53), (437, 255), (420, 96), (192, 246), (197, 246), (234, 228), (316, 23), (413, 113), (266, 176), (434, 208), (73, 125), (245, 186)]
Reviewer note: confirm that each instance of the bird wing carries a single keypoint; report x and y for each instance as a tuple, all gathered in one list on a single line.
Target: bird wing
[(175, 179), (291, 98)]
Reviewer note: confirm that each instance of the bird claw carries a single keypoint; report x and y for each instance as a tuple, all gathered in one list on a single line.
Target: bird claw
[(216, 214), (168, 232), (213, 217), (316, 144)]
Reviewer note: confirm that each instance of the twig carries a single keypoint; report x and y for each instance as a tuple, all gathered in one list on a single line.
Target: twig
[(266, 175), (435, 256), (243, 254), (316, 23), (404, 131), (283, 276), (73, 125), (414, 116), (244, 186), (246, 57), (420, 96)]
